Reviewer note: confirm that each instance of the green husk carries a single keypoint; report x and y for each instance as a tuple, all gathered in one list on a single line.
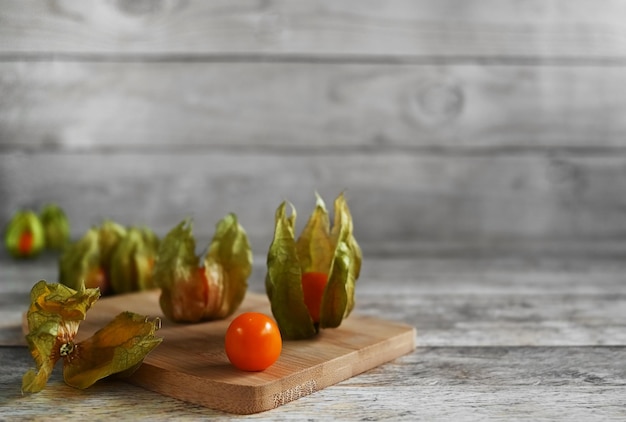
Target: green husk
[(117, 348), (230, 250), (80, 263), (132, 261), (53, 320), (283, 282), (193, 293), (56, 227), (24, 222), (110, 234), (112, 257), (318, 249)]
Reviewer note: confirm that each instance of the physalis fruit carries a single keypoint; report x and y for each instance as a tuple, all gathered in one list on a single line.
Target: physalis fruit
[(310, 281), (53, 319), (194, 290)]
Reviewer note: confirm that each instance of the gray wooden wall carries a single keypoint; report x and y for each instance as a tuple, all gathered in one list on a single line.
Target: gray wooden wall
[(452, 125)]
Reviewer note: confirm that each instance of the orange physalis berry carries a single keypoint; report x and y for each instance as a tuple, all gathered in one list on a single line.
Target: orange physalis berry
[(25, 244), (313, 285)]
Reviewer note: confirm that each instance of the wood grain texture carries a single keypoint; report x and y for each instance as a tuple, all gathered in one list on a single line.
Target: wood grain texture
[(450, 28), (394, 197), (488, 131), (434, 384), (506, 366), (450, 123), (146, 107), (475, 374)]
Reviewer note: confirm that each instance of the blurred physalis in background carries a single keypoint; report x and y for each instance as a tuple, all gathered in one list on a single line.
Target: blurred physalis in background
[(56, 227), (29, 233), (111, 257)]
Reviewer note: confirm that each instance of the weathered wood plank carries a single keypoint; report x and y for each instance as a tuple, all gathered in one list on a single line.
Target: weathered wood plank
[(461, 320), (451, 28), (394, 197), (458, 320), (580, 296), (506, 366), (433, 108), (435, 384), (452, 302), (489, 276)]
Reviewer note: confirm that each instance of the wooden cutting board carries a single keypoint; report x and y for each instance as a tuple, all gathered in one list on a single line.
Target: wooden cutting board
[(191, 365)]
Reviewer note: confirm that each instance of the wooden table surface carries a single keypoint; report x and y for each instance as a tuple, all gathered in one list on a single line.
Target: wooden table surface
[(498, 338), (463, 125)]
